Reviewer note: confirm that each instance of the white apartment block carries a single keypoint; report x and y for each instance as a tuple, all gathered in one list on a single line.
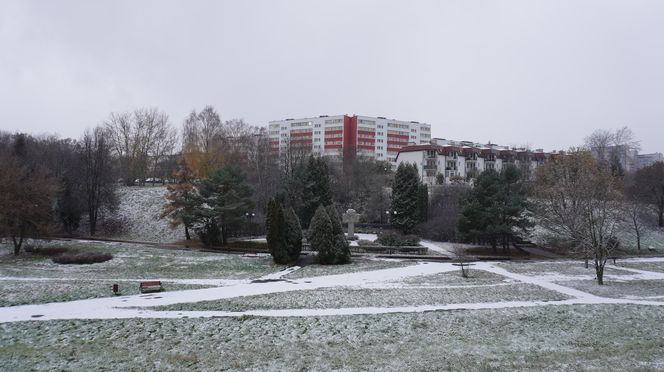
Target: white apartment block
[(343, 136), (646, 160), (463, 160)]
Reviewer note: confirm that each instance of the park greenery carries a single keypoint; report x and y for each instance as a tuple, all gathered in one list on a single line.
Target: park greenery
[(224, 182)]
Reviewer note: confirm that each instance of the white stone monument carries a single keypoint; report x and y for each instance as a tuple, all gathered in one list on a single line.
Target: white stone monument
[(351, 218)]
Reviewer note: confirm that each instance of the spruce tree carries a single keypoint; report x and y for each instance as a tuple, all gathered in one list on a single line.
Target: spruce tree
[(293, 234), (321, 236), (316, 190), (495, 206), (341, 251), (423, 200), (276, 236), (227, 197), (406, 210), (284, 234)]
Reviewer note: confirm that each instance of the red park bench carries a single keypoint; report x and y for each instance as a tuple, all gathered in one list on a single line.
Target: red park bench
[(153, 286)]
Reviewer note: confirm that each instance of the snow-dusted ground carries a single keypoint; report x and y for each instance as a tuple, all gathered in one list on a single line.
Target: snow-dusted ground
[(139, 211), (126, 306), (374, 314)]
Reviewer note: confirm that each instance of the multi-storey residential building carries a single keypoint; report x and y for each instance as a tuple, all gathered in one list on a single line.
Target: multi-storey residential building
[(342, 136), (447, 161), (646, 160)]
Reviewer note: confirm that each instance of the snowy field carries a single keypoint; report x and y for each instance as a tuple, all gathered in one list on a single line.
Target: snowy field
[(222, 311)]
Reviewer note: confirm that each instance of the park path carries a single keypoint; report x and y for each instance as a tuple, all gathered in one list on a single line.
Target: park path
[(134, 306)]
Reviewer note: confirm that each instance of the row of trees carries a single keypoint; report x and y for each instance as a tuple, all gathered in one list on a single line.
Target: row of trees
[(47, 184)]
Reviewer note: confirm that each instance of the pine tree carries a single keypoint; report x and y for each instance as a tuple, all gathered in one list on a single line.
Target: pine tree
[(293, 234), (406, 203), (494, 208), (316, 189), (276, 228), (321, 236), (341, 250), (227, 197), (183, 199), (423, 201)]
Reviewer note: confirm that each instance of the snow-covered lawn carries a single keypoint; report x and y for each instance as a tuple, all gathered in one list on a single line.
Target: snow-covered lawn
[(358, 264), (373, 314), (135, 261), (349, 297), (37, 291), (579, 337)]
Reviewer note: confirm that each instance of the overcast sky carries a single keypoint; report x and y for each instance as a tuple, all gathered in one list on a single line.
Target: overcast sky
[(542, 73)]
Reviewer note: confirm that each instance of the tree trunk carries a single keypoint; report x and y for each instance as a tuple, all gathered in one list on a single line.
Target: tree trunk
[(186, 232), (17, 245), (599, 270), (638, 239), (660, 220)]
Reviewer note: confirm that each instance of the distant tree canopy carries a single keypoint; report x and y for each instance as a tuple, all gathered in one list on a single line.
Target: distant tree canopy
[(649, 189), (26, 195), (495, 209)]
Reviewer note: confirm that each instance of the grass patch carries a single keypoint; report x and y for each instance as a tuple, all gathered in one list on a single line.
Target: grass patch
[(601, 337), (327, 298), (24, 292), (356, 265), (136, 261), (571, 268), (620, 289)]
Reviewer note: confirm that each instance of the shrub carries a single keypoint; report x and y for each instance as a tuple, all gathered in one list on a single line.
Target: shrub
[(46, 252), (82, 258), (209, 233), (332, 248), (392, 239), (366, 243), (247, 244)]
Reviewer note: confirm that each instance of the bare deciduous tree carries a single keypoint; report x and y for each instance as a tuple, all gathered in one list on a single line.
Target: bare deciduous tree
[(613, 149), (140, 139), (97, 178), (579, 200)]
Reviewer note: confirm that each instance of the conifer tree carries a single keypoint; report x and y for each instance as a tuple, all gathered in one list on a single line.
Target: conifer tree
[(316, 189), (284, 234), (406, 200), (321, 236), (293, 234), (227, 197), (276, 227), (494, 208), (341, 252)]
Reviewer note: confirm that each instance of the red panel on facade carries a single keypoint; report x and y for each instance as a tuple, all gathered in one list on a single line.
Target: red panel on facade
[(332, 146), (305, 140), (350, 136), (365, 147), (301, 134), (403, 136), (363, 139), (402, 143), (334, 131), (370, 132)]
